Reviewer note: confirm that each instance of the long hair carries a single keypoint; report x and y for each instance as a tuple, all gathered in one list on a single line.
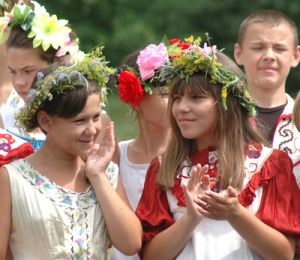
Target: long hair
[(233, 130)]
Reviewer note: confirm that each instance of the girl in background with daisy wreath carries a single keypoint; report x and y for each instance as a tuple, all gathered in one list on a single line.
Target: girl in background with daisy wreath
[(138, 87), (35, 40)]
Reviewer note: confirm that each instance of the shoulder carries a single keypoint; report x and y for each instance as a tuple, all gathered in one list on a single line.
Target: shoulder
[(278, 163), (289, 105), (124, 144)]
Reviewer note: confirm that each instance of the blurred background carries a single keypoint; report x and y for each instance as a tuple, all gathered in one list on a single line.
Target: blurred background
[(126, 25)]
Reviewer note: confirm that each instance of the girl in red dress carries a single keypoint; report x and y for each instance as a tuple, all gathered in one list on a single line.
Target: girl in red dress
[(217, 192)]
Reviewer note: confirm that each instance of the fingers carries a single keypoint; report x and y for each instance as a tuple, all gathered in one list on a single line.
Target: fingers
[(232, 192), (206, 182), (197, 174)]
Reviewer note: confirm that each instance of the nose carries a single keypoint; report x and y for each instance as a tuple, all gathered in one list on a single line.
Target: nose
[(269, 54), (183, 105), (92, 128), (18, 81)]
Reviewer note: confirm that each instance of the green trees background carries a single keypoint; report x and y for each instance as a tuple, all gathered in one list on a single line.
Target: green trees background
[(126, 25)]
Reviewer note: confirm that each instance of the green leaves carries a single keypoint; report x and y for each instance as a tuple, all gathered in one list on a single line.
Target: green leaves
[(22, 16)]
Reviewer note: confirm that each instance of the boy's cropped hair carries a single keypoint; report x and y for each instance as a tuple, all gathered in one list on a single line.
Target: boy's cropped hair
[(269, 17)]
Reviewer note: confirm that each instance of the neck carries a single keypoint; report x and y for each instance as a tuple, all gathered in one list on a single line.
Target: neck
[(151, 142), (268, 99), (65, 170), (54, 158)]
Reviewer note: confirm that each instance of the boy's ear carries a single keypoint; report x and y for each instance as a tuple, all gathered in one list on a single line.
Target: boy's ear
[(45, 121), (237, 54), (296, 57)]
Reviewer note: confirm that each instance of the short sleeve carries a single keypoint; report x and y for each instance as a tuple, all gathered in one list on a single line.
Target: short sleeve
[(153, 208), (280, 207)]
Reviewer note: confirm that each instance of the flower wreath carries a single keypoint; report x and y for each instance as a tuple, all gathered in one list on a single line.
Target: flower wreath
[(132, 84), (93, 67), (188, 57), (45, 30)]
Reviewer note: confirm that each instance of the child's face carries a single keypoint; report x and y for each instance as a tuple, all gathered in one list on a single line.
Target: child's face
[(196, 117), (267, 54), (77, 135), (153, 108), (24, 64)]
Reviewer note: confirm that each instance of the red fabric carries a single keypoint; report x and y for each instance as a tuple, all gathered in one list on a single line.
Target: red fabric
[(280, 207), (199, 157), (153, 209), (21, 151)]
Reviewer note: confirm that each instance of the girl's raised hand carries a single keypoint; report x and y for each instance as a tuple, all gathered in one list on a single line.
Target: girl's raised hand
[(98, 159), (197, 185)]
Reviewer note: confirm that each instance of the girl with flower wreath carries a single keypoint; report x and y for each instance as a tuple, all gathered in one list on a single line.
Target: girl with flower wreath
[(138, 86), (54, 204), (35, 40), (216, 193)]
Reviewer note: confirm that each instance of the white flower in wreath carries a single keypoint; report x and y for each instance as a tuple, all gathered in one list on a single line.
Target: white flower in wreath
[(48, 30)]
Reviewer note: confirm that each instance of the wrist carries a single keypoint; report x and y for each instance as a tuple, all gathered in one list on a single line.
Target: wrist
[(236, 213), (193, 219), (96, 176)]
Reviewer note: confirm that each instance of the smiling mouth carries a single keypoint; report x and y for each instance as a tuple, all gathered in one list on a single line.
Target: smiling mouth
[(268, 69), (86, 141)]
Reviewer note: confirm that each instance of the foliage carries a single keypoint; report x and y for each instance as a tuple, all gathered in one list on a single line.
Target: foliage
[(124, 26)]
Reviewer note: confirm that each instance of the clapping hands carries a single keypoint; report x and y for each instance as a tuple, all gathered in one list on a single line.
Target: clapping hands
[(202, 202)]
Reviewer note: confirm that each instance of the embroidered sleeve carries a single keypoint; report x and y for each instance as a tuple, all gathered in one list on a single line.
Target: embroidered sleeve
[(280, 207)]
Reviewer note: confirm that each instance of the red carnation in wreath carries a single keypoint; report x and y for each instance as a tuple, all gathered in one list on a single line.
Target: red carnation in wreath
[(182, 45), (129, 88)]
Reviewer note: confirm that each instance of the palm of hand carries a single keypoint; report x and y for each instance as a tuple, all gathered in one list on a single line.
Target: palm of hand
[(100, 156), (197, 185)]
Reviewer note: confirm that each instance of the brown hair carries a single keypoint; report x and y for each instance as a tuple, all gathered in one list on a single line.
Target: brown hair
[(271, 18)]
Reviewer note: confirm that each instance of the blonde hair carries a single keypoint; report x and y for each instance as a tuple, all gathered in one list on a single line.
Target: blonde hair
[(296, 112)]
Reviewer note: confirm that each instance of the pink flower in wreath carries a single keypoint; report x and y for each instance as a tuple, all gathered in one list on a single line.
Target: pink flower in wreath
[(130, 89), (150, 59)]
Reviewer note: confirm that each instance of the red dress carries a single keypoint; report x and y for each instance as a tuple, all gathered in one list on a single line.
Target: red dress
[(279, 205)]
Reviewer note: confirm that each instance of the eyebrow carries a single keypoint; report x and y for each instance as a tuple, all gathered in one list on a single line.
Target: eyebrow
[(23, 68)]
